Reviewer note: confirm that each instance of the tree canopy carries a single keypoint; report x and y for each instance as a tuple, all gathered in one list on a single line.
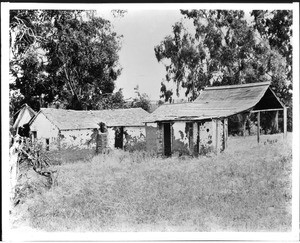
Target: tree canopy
[(141, 100), (64, 58), (225, 48)]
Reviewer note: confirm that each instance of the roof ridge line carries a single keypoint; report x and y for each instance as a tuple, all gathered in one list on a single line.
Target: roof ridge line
[(190, 102), (235, 86), (131, 108)]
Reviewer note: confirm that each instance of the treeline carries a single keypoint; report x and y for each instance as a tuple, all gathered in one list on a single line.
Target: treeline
[(224, 47), (67, 59)]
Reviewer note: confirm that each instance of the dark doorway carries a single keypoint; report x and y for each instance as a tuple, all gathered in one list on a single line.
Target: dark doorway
[(119, 137), (47, 144), (167, 139)]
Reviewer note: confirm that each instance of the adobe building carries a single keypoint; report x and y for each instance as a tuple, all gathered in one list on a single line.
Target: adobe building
[(98, 129), (202, 126)]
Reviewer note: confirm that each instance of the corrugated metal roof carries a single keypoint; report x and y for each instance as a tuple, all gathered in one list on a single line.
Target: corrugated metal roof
[(213, 102), (71, 119)]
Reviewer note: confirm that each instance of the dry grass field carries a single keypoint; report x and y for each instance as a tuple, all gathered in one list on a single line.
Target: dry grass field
[(246, 188)]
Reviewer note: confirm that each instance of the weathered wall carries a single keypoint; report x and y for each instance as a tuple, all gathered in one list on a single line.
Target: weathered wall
[(211, 135), (191, 138), (151, 137), (195, 138), (131, 136), (134, 138), (159, 141), (220, 137), (111, 137), (45, 130), (83, 138), (205, 132)]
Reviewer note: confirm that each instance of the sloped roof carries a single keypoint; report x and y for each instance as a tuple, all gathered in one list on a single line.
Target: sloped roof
[(21, 112), (220, 101), (72, 119)]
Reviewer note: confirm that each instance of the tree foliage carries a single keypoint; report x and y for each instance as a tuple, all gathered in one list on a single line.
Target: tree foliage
[(142, 100), (66, 57), (276, 26), (223, 49)]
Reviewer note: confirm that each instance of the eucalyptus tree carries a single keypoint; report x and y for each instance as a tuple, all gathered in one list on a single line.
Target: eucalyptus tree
[(70, 56), (223, 48)]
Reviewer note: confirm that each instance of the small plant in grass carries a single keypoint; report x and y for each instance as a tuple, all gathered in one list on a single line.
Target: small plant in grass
[(205, 150)]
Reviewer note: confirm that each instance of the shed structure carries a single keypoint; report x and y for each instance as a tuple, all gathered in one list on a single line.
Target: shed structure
[(25, 114), (99, 129), (201, 126)]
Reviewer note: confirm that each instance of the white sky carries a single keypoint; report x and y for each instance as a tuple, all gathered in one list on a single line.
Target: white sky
[(142, 30)]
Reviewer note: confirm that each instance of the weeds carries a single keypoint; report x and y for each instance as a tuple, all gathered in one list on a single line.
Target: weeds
[(238, 190)]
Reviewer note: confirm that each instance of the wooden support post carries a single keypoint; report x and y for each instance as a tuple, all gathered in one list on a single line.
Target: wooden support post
[(244, 124), (285, 122), (191, 137), (276, 121), (217, 136), (225, 133), (258, 126)]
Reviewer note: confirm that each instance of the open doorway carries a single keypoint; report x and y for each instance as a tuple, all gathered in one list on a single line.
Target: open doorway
[(167, 139), (119, 134), (47, 144)]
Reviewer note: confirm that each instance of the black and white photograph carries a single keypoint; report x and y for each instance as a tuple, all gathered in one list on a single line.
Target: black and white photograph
[(150, 121)]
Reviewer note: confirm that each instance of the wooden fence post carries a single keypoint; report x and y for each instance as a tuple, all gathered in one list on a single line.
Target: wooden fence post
[(258, 126)]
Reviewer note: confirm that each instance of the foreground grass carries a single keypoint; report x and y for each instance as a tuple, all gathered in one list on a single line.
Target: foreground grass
[(242, 189)]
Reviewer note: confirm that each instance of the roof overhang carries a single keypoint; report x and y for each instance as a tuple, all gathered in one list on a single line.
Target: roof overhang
[(219, 102)]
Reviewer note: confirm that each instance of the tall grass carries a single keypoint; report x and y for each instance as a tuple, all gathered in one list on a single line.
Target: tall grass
[(246, 188)]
